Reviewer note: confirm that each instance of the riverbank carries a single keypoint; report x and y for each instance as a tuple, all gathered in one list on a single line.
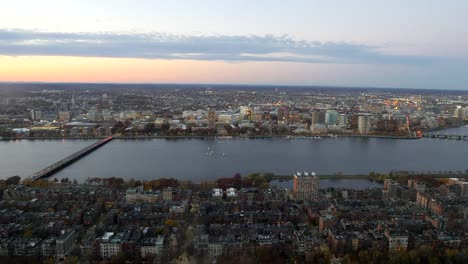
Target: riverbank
[(214, 137), (445, 128)]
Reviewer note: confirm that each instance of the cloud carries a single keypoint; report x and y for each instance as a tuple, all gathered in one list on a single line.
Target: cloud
[(156, 45)]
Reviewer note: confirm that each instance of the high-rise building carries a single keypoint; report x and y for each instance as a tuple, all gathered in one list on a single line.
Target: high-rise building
[(315, 117), (73, 100), (283, 115), (167, 194), (342, 118), (364, 123), (211, 119), (331, 117), (306, 186), (36, 114)]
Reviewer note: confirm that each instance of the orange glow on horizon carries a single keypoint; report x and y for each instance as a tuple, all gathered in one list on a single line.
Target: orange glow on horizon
[(92, 69), (131, 70)]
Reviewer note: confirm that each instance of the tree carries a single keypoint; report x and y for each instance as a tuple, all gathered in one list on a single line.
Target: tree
[(149, 128), (119, 258), (13, 180), (64, 180), (170, 223), (165, 127), (28, 233), (71, 260)]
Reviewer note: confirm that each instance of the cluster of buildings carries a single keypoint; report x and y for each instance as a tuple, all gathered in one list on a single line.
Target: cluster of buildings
[(206, 222), (83, 111)]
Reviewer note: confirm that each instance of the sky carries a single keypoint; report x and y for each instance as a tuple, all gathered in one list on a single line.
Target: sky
[(367, 43)]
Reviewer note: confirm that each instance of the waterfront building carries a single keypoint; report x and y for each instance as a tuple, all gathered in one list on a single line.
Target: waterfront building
[(331, 117), (306, 186), (342, 118), (211, 119), (283, 115), (315, 117), (64, 116), (225, 119), (364, 123)]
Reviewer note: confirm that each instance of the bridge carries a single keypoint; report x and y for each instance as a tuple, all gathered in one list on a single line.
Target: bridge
[(446, 136), (52, 169)]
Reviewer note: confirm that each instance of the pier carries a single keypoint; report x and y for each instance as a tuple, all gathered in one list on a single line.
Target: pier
[(50, 170)]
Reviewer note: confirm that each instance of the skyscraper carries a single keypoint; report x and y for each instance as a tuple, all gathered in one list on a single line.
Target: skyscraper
[(36, 114), (364, 124), (283, 115), (306, 186), (331, 117), (211, 119), (315, 117)]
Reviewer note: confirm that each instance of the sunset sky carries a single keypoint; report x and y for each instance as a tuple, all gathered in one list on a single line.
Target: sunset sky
[(377, 43)]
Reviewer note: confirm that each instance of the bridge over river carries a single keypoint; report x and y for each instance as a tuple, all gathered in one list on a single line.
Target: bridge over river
[(50, 170)]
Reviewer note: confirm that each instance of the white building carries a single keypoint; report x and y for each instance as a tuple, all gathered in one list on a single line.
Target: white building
[(110, 245), (152, 246), (396, 241), (364, 123), (138, 195)]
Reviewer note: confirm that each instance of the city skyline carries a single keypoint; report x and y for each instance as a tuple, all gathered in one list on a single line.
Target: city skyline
[(366, 43)]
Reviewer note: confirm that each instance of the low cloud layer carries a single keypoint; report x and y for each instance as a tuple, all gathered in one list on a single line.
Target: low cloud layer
[(16, 42)]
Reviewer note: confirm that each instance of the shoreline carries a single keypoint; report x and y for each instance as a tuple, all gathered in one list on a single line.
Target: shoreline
[(212, 137)]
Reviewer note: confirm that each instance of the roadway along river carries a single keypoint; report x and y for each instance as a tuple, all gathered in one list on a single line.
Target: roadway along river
[(199, 160)]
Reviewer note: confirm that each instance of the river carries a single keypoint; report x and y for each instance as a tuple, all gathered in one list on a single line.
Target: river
[(199, 160)]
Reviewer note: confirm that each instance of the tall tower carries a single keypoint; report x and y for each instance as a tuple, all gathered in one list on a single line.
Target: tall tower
[(283, 115), (306, 186), (73, 100), (211, 119), (364, 124)]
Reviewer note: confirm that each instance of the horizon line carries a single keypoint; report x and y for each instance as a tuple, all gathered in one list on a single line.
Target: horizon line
[(238, 84)]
